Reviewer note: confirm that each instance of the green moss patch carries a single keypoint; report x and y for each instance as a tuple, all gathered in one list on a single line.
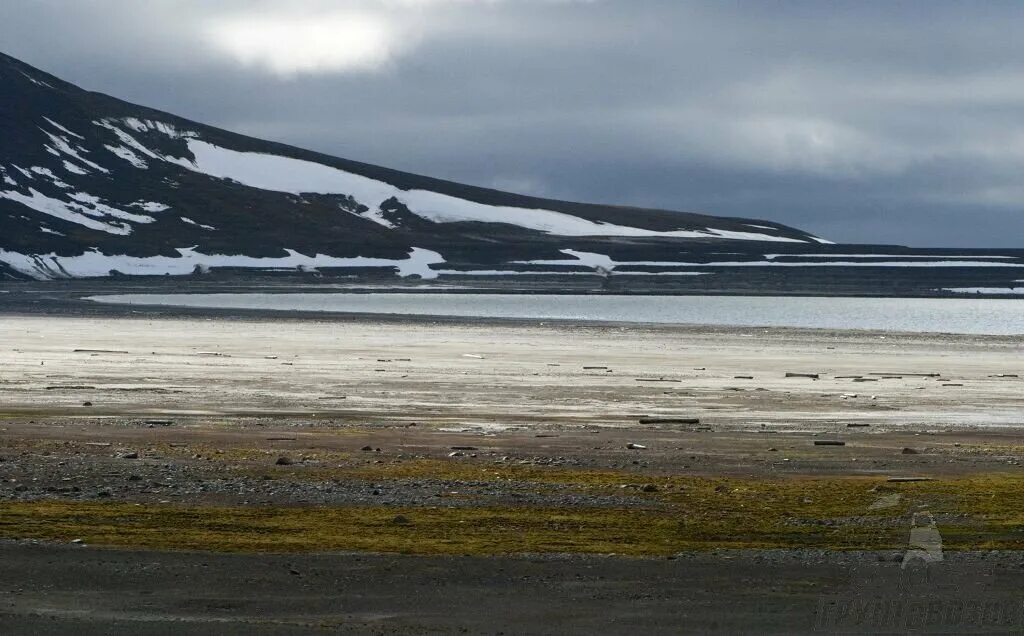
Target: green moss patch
[(980, 512)]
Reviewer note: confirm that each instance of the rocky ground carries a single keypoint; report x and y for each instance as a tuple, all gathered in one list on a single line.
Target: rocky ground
[(155, 468)]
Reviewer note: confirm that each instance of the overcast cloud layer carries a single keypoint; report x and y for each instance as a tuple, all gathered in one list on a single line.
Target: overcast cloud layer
[(860, 121)]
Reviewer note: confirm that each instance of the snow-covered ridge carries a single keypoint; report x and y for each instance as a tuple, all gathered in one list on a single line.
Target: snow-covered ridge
[(296, 176), (97, 264)]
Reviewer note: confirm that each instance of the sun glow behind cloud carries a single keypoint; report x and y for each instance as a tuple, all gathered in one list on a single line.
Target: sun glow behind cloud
[(286, 45)]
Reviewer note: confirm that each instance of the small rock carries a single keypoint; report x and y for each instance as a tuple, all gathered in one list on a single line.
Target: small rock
[(908, 451), (131, 455), (366, 448), (400, 520), (86, 403), (649, 488), (632, 446), (284, 461)]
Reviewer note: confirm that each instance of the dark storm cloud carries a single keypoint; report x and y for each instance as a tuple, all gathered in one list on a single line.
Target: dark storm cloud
[(863, 122)]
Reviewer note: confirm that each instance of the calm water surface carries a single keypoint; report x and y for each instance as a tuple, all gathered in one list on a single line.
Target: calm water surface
[(951, 315)]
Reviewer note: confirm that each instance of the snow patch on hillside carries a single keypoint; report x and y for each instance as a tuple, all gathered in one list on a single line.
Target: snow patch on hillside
[(73, 169), (6, 178), (37, 82), (64, 210), (54, 179), (97, 264), (128, 155), (94, 206), (296, 176), (151, 206), (601, 261), (148, 125), (63, 146), (63, 129), (137, 146), (191, 222)]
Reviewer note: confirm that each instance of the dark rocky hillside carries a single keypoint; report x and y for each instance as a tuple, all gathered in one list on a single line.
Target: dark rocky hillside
[(92, 186)]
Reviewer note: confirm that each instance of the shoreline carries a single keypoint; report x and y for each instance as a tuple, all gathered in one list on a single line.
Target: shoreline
[(336, 471)]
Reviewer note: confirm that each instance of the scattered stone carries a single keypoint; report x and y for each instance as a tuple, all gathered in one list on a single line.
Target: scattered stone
[(464, 448), (632, 446), (743, 377), (159, 422), (857, 425), (828, 442), (909, 479), (594, 368), (130, 455), (812, 376), (456, 454)]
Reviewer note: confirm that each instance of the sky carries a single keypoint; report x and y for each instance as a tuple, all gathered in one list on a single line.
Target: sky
[(860, 121)]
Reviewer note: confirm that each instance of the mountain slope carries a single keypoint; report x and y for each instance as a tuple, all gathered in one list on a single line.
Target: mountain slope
[(91, 184)]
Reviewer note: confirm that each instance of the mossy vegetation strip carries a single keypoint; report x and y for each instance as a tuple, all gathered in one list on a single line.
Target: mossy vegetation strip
[(978, 512)]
